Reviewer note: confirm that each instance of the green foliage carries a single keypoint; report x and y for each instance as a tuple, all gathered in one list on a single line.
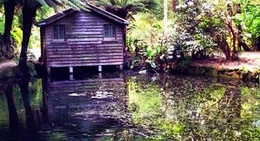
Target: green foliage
[(17, 35), (16, 32), (146, 28), (43, 13), (35, 89), (191, 26), (249, 18), (126, 8), (251, 97), (1, 21), (191, 108), (143, 102), (148, 45), (35, 38), (250, 113)]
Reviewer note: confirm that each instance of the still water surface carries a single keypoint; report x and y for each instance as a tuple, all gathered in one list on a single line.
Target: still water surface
[(129, 107)]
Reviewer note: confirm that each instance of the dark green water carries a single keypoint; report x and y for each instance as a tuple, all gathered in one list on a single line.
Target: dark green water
[(130, 107)]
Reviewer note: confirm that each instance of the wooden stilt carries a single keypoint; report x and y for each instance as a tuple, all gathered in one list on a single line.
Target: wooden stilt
[(121, 67), (71, 73), (71, 70), (100, 75), (99, 68), (71, 77), (48, 70)]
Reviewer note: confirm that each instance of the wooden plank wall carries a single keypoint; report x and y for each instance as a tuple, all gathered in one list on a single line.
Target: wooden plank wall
[(84, 44)]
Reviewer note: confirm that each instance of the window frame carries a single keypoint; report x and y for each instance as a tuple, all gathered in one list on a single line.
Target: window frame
[(109, 31), (59, 32)]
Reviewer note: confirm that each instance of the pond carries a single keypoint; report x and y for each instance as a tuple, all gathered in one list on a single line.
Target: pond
[(129, 107)]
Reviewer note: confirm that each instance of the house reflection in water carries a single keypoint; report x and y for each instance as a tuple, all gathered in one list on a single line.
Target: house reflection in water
[(91, 107)]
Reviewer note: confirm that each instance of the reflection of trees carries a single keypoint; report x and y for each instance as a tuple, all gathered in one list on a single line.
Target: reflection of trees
[(17, 101), (44, 100), (13, 116), (196, 108), (207, 108), (24, 88), (223, 118)]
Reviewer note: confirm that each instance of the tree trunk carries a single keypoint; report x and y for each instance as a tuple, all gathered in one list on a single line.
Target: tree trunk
[(165, 16), (241, 42), (9, 16), (223, 45), (258, 44), (234, 38), (28, 18), (174, 4), (227, 52)]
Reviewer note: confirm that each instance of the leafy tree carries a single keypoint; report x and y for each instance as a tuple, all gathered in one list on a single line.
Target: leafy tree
[(218, 25), (187, 36), (6, 47), (2, 22), (126, 8), (249, 20), (9, 7), (202, 25)]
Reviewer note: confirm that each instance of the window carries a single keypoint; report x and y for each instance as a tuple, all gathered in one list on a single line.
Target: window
[(109, 31), (59, 32)]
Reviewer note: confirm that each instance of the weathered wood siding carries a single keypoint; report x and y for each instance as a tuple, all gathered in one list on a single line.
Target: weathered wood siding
[(84, 44)]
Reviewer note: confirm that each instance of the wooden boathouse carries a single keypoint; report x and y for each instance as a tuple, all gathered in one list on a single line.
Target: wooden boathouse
[(83, 38)]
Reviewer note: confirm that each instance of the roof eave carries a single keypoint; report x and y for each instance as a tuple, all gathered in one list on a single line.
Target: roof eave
[(98, 10), (53, 18), (107, 14), (41, 24)]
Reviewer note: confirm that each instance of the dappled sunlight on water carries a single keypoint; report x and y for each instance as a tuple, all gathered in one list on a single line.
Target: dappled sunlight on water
[(197, 108), (130, 107)]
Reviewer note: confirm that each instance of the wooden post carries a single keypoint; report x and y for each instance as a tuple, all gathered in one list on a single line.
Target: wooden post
[(71, 73), (100, 75), (71, 77), (48, 78), (99, 68), (48, 70), (71, 70), (121, 67)]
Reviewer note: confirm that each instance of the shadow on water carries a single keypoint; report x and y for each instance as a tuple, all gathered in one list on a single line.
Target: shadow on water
[(44, 109), (20, 124), (13, 116), (118, 106)]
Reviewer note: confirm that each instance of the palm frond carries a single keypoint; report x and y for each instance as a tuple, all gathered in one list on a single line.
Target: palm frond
[(112, 2), (52, 5), (42, 2)]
